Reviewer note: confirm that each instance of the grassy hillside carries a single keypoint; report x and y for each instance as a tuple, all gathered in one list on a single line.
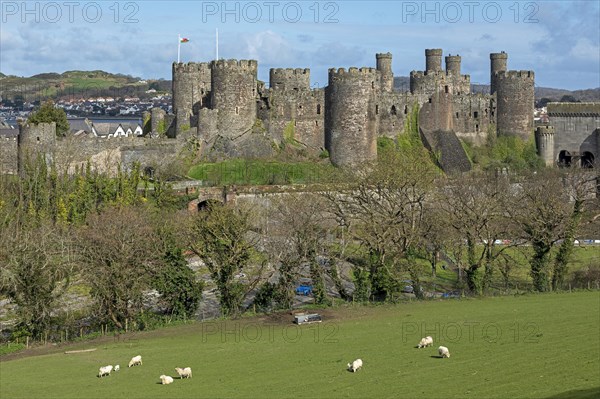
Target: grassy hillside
[(72, 84), (500, 347)]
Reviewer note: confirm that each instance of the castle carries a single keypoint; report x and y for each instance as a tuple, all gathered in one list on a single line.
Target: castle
[(224, 108)]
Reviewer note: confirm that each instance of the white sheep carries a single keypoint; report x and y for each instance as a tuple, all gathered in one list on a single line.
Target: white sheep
[(117, 367), (165, 379), (427, 341), (443, 351), (135, 361), (184, 373), (355, 366), (105, 370)]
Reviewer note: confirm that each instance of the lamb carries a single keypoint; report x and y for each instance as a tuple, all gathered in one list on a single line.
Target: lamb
[(117, 367), (105, 370), (165, 379), (427, 341), (184, 373), (355, 366), (135, 361), (443, 351)]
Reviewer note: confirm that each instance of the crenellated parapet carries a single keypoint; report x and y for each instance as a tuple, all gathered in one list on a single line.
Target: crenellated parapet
[(289, 78), (430, 82)]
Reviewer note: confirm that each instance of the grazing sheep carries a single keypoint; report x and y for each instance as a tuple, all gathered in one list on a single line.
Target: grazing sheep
[(104, 371), (427, 341), (443, 351), (117, 367), (135, 361), (184, 373), (165, 379), (355, 366)]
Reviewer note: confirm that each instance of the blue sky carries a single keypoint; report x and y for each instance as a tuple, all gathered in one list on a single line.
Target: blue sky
[(559, 40)]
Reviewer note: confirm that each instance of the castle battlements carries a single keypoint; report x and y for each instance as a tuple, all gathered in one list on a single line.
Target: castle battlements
[(191, 67), (289, 71), (440, 74), (515, 75), (544, 130), (352, 71), (243, 65), (499, 56), (383, 55)]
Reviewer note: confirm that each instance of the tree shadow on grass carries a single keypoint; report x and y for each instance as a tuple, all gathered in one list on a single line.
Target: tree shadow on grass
[(591, 393)]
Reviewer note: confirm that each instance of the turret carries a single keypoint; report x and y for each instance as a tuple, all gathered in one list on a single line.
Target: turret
[(453, 65), (384, 66), (33, 141), (498, 63), (544, 142), (433, 60)]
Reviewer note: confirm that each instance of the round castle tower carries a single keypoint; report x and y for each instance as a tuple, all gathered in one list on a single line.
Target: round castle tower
[(453, 64), (498, 63), (289, 78), (433, 59), (233, 94), (351, 116), (34, 140), (544, 142), (384, 66), (514, 103), (191, 83)]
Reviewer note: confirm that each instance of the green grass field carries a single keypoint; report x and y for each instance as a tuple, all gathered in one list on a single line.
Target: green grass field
[(259, 172), (532, 346)]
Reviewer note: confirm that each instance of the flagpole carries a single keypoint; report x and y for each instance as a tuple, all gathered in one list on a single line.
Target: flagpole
[(178, 47), (217, 42)]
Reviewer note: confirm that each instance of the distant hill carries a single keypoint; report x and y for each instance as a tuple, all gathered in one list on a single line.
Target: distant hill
[(403, 82), (76, 84)]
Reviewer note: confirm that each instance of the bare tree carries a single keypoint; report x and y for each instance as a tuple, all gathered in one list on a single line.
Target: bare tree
[(119, 252), (552, 203), (475, 208), (384, 212)]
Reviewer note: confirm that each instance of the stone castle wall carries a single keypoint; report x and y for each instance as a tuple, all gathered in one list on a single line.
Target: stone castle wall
[(8, 154), (351, 122), (515, 101)]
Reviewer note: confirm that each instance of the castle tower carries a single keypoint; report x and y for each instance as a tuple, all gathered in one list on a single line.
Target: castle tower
[(351, 116), (234, 94), (191, 85), (384, 66), (433, 60), (453, 64), (514, 107), (544, 142), (498, 63), (34, 140), (289, 78)]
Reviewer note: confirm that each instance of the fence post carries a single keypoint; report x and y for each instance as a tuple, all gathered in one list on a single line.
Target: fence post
[(27, 342)]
